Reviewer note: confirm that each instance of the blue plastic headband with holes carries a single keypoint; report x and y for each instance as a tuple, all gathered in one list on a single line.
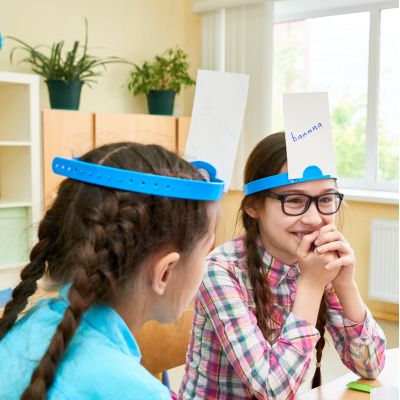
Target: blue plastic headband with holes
[(141, 182), (312, 173)]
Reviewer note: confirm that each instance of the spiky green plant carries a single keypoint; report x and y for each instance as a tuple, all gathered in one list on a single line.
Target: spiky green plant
[(77, 64)]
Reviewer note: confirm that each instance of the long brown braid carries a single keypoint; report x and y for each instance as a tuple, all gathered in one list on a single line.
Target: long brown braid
[(29, 275), (262, 291), (266, 159), (96, 238), (321, 323)]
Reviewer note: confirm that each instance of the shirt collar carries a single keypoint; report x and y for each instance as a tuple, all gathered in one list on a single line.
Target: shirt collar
[(108, 322), (276, 270)]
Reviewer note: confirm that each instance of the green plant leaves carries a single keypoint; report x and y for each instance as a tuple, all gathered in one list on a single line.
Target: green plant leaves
[(168, 71), (77, 64)]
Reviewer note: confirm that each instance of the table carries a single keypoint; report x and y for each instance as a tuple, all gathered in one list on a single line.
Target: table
[(337, 390)]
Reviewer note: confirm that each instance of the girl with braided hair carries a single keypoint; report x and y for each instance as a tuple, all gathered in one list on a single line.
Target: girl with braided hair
[(269, 295), (119, 258)]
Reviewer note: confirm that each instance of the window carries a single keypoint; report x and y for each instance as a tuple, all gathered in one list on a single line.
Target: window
[(340, 54), (388, 109)]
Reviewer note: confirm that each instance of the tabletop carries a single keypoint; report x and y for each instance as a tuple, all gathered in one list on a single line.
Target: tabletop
[(337, 390)]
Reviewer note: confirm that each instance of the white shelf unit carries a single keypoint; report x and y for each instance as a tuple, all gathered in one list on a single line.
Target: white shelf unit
[(20, 172)]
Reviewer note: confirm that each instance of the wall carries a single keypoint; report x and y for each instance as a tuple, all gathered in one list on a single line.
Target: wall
[(357, 217), (357, 228), (132, 29), (192, 46)]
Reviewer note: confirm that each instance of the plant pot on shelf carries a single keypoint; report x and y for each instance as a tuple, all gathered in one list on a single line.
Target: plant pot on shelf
[(64, 95), (161, 102)]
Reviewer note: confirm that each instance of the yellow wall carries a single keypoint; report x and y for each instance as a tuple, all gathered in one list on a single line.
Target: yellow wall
[(357, 217), (133, 29), (357, 229)]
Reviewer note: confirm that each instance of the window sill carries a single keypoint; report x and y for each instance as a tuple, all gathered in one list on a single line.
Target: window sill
[(370, 196)]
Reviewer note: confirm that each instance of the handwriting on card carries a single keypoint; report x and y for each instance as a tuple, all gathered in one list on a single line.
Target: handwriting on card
[(302, 135)]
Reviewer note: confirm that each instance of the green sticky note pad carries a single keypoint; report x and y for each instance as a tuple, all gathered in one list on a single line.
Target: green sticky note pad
[(362, 387)]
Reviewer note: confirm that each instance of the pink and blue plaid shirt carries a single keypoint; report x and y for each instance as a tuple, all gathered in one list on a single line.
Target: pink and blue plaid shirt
[(228, 357)]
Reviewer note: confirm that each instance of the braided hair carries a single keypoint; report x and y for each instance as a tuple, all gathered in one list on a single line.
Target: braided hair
[(95, 238), (266, 159)]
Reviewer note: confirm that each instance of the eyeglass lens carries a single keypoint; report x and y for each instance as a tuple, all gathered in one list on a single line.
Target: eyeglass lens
[(297, 203)]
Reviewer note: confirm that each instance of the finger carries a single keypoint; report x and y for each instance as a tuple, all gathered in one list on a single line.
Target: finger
[(326, 258), (329, 237), (327, 228), (340, 262), (342, 247), (305, 244)]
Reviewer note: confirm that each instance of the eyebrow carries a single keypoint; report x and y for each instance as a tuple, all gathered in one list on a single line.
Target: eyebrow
[(294, 191)]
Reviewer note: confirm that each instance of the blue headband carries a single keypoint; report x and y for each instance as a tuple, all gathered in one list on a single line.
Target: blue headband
[(141, 182), (311, 173)]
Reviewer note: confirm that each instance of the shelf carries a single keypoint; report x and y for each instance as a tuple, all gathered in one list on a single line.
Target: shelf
[(14, 235), (15, 143), (17, 78), (15, 174), (20, 172), (14, 204), (13, 265), (10, 275), (15, 113)]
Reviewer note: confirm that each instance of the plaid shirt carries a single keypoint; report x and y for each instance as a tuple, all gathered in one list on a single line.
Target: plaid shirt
[(228, 357)]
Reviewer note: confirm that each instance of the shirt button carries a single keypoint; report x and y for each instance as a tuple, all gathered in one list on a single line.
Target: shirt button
[(291, 273), (293, 296)]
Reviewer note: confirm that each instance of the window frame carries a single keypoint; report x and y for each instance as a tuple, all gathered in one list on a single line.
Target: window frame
[(292, 10)]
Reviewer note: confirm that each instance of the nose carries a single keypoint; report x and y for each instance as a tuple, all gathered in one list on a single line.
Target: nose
[(312, 216)]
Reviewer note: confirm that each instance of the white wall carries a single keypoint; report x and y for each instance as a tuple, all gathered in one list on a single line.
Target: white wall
[(133, 29)]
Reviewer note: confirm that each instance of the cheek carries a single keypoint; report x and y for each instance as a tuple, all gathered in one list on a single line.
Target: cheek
[(329, 219), (190, 282), (274, 222), (196, 275)]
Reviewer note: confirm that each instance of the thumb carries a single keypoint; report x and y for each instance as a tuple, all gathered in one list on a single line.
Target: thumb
[(306, 244)]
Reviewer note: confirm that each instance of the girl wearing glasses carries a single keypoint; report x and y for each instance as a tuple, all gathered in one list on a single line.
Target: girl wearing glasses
[(268, 296)]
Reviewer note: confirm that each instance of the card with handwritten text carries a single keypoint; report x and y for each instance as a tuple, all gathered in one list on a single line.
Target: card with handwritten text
[(308, 133), (217, 118)]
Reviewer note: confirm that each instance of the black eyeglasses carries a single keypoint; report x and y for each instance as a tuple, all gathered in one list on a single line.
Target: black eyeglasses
[(297, 204)]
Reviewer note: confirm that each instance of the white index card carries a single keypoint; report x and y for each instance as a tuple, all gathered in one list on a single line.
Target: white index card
[(217, 118), (308, 133)]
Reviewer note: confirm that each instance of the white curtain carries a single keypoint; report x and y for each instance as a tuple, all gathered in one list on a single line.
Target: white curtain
[(237, 36)]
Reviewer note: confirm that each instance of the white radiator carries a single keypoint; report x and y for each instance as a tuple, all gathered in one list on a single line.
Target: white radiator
[(384, 262)]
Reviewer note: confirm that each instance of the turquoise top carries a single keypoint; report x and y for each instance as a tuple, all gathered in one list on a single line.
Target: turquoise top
[(101, 362)]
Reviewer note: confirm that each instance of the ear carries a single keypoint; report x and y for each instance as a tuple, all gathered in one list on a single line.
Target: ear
[(162, 271), (251, 211)]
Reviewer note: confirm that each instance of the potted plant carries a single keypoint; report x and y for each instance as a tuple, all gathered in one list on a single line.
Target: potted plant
[(161, 79), (64, 75)]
